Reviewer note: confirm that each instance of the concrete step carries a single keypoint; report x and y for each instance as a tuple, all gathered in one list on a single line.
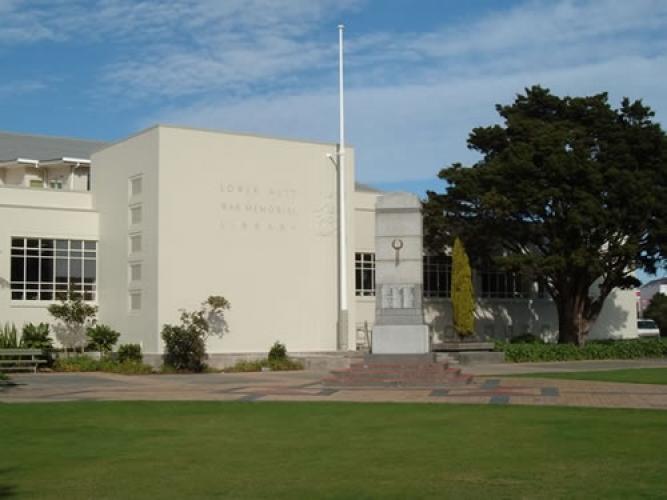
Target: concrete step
[(397, 371), (396, 382)]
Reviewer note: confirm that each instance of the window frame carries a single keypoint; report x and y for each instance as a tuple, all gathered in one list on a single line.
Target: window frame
[(38, 253), (364, 262)]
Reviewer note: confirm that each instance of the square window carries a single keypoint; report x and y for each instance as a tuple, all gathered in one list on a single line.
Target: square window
[(135, 272), (136, 186), (135, 301), (136, 214), (135, 243)]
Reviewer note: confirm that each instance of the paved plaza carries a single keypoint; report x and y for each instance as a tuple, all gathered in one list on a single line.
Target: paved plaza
[(489, 385)]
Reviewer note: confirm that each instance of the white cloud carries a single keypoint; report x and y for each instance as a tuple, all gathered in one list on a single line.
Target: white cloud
[(406, 132)]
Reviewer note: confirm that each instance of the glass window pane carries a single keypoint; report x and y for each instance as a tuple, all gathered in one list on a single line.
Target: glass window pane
[(75, 269), (61, 270), (76, 244), (32, 269), (18, 242), (89, 271), (17, 269), (47, 269), (45, 295), (17, 295), (31, 295), (61, 244), (90, 245), (31, 243)]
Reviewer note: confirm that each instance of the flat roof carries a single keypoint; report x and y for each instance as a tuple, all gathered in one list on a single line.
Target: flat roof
[(42, 148), (53, 149)]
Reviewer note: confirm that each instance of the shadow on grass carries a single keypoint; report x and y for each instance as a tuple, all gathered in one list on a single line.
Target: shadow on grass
[(7, 490)]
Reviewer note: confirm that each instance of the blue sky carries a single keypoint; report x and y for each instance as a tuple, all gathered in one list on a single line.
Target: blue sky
[(420, 74)]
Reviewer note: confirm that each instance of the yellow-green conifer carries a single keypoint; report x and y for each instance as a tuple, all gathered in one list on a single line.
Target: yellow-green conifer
[(463, 299)]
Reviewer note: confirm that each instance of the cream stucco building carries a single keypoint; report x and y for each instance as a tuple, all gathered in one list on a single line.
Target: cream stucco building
[(161, 220)]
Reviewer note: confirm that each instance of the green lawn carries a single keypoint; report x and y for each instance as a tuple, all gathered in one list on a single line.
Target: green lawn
[(632, 375), (312, 450)]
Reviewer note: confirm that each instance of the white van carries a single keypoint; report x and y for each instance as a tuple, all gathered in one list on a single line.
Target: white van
[(647, 328)]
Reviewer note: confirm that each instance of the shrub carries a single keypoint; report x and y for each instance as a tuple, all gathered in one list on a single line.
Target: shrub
[(36, 337), (127, 367), (247, 366), (129, 352), (185, 344), (185, 348), (278, 352), (102, 337), (9, 337), (76, 364), (74, 317), (601, 349), (526, 338), (87, 364), (285, 364)]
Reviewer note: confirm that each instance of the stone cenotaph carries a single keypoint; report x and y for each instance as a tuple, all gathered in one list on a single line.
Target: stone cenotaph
[(399, 318)]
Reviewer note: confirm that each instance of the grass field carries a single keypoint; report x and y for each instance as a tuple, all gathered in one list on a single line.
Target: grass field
[(328, 450), (631, 376)]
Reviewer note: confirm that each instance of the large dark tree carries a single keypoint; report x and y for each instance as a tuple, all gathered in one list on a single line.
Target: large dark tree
[(568, 191)]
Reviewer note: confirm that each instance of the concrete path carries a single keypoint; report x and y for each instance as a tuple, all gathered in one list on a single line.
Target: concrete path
[(307, 386)]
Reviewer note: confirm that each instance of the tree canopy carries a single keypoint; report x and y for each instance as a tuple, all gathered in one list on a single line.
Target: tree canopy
[(569, 191), (657, 311)]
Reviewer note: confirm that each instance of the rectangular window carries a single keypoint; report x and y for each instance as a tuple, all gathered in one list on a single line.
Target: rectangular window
[(45, 269), (135, 301), (364, 270), (437, 276), (135, 243), (136, 186), (502, 285), (135, 271), (36, 184), (136, 214)]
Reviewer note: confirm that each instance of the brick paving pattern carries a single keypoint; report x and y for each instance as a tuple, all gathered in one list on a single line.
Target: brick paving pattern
[(309, 386)]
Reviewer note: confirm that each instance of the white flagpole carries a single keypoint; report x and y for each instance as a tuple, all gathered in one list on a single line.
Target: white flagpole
[(342, 230)]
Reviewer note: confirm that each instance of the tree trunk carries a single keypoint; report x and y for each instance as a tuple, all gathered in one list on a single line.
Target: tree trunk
[(573, 325)]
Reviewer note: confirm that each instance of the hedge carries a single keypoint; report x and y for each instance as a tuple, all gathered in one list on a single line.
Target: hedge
[(600, 349)]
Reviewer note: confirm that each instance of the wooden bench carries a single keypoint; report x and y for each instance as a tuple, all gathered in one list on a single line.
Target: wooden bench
[(21, 359)]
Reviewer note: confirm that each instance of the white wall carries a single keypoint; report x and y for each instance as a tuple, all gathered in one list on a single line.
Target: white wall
[(252, 219), (112, 169), (39, 214)]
